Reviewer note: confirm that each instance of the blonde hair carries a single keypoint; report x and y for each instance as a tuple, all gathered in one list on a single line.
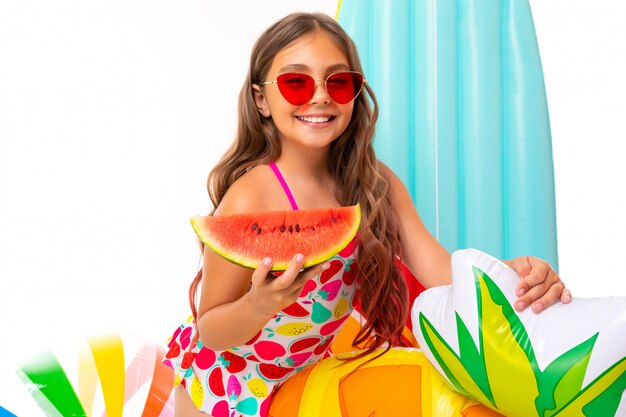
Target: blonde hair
[(353, 164)]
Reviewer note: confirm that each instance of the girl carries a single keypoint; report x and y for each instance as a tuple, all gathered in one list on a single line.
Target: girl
[(304, 140)]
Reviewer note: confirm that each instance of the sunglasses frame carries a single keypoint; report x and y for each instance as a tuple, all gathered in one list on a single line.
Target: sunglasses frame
[(315, 85)]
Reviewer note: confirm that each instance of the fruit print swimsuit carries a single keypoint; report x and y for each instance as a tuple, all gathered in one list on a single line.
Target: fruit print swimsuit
[(240, 381)]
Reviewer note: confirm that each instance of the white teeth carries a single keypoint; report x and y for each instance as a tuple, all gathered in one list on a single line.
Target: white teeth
[(314, 119)]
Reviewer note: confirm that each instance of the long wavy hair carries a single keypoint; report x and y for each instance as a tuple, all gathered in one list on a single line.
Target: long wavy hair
[(353, 164)]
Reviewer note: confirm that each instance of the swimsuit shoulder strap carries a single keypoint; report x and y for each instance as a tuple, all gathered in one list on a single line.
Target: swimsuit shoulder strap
[(283, 183)]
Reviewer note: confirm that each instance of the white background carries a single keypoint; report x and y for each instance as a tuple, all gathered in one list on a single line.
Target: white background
[(112, 113)]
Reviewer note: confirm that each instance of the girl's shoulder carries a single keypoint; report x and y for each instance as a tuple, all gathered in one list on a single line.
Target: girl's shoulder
[(392, 179), (255, 191), (397, 188)]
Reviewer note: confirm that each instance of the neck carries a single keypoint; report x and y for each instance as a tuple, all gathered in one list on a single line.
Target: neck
[(307, 163), (308, 176)]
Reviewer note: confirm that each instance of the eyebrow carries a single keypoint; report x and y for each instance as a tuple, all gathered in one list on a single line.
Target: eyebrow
[(304, 67)]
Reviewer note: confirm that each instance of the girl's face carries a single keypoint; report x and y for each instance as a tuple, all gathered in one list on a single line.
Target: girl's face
[(320, 121)]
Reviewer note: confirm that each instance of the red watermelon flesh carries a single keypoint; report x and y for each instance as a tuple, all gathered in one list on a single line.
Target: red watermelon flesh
[(246, 239)]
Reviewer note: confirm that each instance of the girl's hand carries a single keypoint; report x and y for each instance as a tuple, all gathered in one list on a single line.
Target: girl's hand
[(540, 286), (271, 294)]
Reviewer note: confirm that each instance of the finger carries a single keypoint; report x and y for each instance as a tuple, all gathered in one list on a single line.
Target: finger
[(566, 296), (309, 273), (550, 297), (524, 267), (260, 273), (540, 273), (315, 270), (291, 273), (531, 296)]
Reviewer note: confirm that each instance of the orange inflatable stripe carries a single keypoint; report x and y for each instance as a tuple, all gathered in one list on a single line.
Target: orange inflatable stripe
[(285, 400), (408, 338), (343, 340), (354, 401), (161, 388)]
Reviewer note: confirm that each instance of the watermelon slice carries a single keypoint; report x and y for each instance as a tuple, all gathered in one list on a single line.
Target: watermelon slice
[(246, 239)]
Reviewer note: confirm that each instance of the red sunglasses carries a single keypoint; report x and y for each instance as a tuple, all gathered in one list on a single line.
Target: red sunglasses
[(298, 89)]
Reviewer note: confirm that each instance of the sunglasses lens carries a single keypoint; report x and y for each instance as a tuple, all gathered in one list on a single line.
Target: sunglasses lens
[(296, 88), (343, 87)]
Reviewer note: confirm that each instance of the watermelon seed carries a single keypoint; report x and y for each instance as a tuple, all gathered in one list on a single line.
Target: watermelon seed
[(254, 226), (290, 229), (298, 228), (258, 231), (334, 219), (282, 228)]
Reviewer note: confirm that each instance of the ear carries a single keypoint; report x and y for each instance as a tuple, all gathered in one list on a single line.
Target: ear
[(260, 101)]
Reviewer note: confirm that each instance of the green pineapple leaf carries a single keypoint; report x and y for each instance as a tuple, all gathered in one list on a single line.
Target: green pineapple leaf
[(505, 340), (472, 359), (563, 378), (601, 397), (450, 362)]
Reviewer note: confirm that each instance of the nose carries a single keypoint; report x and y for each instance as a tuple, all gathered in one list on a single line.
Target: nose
[(320, 94)]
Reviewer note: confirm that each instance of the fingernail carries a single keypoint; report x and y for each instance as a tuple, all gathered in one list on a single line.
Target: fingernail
[(299, 257), (537, 307), (267, 261), (521, 291), (325, 266), (568, 297), (520, 305)]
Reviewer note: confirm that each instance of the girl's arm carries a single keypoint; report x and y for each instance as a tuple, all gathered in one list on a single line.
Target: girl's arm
[(229, 314), (421, 252), (236, 302), (540, 286)]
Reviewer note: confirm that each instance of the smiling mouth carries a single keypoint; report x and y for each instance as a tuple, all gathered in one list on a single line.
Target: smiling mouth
[(315, 119)]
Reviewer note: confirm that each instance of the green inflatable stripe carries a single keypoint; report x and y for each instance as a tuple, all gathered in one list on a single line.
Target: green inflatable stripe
[(50, 387)]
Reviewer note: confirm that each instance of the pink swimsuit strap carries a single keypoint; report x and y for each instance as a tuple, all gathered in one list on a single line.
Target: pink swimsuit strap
[(283, 183)]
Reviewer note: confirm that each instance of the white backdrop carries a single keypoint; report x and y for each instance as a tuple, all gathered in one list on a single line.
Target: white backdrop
[(112, 114)]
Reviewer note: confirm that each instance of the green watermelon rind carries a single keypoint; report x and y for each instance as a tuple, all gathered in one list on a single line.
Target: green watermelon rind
[(279, 265)]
